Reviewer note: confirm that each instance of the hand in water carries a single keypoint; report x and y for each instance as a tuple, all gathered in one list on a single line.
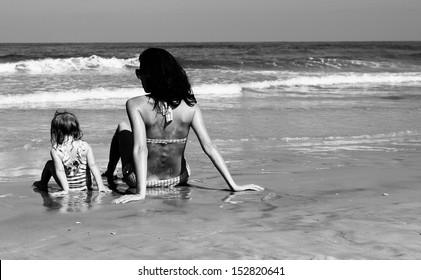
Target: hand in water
[(248, 187), (105, 190), (61, 193), (128, 198)]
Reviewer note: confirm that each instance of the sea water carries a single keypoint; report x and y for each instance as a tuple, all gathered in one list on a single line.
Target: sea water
[(269, 107)]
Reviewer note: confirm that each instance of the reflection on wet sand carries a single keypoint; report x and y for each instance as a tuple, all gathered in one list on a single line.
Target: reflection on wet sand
[(83, 201), (175, 196), (73, 202), (237, 195)]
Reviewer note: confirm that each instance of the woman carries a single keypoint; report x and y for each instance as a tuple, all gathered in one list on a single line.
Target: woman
[(152, 147)]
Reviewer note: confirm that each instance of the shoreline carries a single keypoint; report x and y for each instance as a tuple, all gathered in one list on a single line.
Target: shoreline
[(354, 212)]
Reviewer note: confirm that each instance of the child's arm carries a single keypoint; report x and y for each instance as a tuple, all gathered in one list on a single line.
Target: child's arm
[(60, 173), (95, 170)]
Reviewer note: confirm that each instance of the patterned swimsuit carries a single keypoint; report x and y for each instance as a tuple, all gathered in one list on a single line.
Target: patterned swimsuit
[(76, 168)]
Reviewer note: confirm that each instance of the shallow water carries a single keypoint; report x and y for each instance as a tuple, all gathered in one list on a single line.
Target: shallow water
[(266, 105)]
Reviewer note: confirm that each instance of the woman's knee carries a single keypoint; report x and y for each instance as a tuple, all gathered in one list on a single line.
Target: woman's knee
[(50, 168), (49, 164), (123, 126)]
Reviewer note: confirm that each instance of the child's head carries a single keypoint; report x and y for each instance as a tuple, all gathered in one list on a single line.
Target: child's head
[(63, 125)]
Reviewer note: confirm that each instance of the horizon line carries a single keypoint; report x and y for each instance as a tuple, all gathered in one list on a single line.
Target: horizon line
[(207, 42)]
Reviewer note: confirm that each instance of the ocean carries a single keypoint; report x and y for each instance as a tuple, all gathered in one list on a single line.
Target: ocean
[(271, 108)]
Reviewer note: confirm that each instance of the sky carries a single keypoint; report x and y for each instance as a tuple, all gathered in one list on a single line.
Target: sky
[(209, 21)]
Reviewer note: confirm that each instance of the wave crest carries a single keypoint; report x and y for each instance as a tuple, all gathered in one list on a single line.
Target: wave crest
[(62, 65)]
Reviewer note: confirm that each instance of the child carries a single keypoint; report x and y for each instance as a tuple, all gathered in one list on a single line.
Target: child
[(72, 158)]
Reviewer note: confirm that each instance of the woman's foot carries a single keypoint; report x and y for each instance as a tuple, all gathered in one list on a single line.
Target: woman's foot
[(40, 185), (110, 179)]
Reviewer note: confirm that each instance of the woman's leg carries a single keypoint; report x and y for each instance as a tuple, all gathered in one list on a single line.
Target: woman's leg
[(121, 148), (114, 155), (48, 171), (126, 143)]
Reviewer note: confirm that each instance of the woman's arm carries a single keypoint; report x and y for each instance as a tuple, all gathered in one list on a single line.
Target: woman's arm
[(140, 152), (60, 173), (95, 170), (210, 149), (140, 148)]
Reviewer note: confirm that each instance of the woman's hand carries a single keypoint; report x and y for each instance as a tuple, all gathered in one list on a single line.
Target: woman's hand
[(248, 187), (61, 193), (104, 189), (128, 198)]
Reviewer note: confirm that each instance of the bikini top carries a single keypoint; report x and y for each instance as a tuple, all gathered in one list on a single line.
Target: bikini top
[(165, 141), (166, 111)]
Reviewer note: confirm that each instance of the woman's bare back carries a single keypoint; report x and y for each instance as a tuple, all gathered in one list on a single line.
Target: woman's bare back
[(166, 140)]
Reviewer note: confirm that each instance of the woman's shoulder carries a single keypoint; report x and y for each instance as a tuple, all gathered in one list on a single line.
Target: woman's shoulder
[(191, 108), (138, 102), (186, 111)]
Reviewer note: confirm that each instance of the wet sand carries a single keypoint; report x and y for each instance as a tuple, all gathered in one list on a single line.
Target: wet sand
[(367, 210)]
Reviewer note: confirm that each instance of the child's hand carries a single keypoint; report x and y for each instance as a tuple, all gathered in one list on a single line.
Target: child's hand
[(248, 187)]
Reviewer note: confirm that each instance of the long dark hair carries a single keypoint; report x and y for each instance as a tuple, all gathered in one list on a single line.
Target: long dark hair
[(64, 124), (166, 78)]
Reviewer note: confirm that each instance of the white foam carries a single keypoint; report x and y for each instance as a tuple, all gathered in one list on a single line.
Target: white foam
[(376, 142), (74, 64), (398, 134), (221, 90), (345, 79), (103, 96), (62, 97), (288, 82)]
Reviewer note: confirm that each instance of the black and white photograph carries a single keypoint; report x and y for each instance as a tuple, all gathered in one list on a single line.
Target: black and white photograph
[(210, 130)]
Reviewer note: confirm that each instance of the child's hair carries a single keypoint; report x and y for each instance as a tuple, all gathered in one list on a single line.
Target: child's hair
[(63, 125)]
